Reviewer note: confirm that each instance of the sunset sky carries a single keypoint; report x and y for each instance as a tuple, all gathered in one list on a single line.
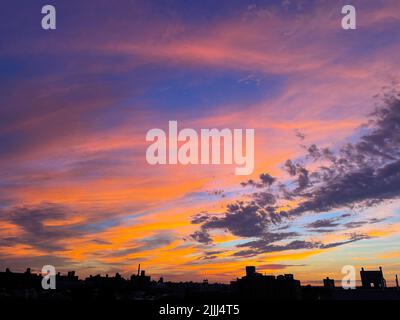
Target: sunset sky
[(76, 191)]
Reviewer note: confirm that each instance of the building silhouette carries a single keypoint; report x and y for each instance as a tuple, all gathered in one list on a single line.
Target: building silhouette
[(140, 280), (329, 283), (255, 286), (372, 279), (138, 287), (15, 280)]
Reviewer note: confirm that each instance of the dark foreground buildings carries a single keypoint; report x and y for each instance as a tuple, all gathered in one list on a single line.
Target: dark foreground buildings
[(253, 286), (373, 279)]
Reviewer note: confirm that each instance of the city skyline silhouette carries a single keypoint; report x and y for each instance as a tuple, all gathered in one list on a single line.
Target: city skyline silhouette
[(253, 286)]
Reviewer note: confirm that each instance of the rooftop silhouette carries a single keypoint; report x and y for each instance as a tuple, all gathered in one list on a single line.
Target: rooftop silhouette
[(252, 286)]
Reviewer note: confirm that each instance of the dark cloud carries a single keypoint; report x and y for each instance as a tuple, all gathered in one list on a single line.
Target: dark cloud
[(244, 219), (376, 220), (201, 236), (246, 253), (269, 238), (258, 247), (208, 258), (355, 176), (322, 230), (353, 238), (266, 180), (218, 192), (301, 174), (314, 152), (354, 224), (364, 173), (290, 167), (200, 218), (35, 233), (209, 253), (31, 220), (287, 226), (323, 223), (101, 242)]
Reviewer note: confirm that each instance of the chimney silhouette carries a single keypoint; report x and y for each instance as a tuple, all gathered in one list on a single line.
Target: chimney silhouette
[(138, 269), (397, 283)]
